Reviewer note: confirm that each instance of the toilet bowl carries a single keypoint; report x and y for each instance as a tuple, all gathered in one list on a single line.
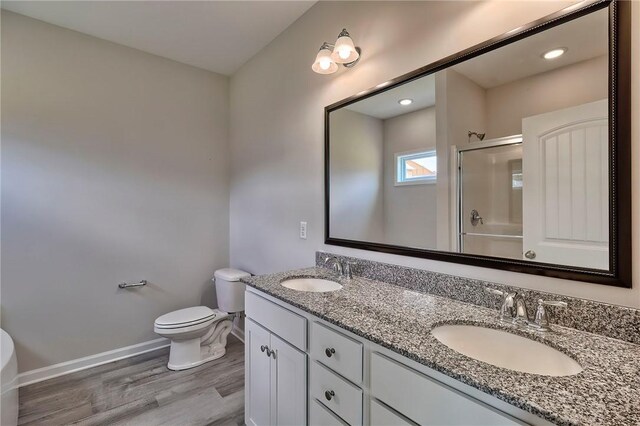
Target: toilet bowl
[(199, 334)]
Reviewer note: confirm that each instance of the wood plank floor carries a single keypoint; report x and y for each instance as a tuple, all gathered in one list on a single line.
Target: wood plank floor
[(141, 391)]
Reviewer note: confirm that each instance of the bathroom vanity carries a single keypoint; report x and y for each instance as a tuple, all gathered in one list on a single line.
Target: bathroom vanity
[(365, 355)]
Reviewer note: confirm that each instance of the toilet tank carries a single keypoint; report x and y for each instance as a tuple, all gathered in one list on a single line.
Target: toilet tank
[(229, 289)]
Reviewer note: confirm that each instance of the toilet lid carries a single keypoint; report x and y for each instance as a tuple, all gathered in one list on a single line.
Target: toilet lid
[(230, 274), (185, 317)]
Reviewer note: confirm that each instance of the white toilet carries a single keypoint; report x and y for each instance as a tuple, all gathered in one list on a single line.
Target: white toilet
[(199, 334)]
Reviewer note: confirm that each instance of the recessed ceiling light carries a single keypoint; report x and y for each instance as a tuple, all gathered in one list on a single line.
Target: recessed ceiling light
[(554, 53), (405, 102)]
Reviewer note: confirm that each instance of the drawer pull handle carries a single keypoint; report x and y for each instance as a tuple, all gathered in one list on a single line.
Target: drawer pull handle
[(329, 352), (329, 394)]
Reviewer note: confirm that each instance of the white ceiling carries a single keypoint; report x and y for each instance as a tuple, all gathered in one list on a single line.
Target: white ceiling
[(585, 38), (218, 36), (385, 105)]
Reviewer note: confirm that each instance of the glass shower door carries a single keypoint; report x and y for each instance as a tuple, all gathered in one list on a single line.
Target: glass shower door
[(490, 200)]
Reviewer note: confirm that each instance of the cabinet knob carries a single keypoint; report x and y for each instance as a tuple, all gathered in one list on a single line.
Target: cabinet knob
[(530, 254), (329, 352), (269, 352), (329, 394)]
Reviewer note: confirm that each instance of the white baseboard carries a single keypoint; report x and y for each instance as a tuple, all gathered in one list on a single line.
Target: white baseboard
[(56, 370), (238, 333)]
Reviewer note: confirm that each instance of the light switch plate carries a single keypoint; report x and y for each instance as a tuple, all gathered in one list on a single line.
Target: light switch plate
[(303, 230)]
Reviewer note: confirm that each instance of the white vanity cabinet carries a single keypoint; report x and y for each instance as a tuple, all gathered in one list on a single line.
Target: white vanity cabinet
[(344, 379), (257, 375), (275, 370)]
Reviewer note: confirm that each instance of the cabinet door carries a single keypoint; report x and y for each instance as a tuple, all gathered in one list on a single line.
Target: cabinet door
[(257, 376), (319, 415), (383, 416), (290, 378)]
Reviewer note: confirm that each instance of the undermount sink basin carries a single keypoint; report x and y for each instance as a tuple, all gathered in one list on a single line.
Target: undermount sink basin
[(506, 350), (315, 285)]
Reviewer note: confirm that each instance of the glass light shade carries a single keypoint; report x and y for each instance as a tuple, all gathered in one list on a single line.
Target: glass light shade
[(344, 51), (324, 64)]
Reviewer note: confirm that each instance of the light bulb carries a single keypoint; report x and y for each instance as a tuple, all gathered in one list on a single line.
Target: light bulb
[(325, 63), (555, 53), (344, 52)]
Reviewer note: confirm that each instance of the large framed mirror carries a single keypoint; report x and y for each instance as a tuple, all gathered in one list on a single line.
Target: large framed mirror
[(513, 154)]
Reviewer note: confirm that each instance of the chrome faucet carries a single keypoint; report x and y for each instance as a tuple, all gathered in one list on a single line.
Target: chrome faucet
[(343, 269), (337, 266), (514, 310), (521, 317), (475, 218)]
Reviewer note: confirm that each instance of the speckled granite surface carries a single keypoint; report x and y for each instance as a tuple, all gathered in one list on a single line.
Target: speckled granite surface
[(614, 321), (607, 392)]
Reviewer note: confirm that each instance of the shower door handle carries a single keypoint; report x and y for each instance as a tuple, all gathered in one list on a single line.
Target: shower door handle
[(530, 254)]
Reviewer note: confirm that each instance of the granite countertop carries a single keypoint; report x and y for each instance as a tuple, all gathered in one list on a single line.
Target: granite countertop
[(607, 392)]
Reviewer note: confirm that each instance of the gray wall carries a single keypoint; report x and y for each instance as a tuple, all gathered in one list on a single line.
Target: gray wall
[(114, 168), (409, 210), (277, 107), (459, 108), (575, 84), (356, 176)]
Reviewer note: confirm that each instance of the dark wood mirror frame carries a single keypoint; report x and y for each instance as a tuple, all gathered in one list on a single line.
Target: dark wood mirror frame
[(620, 259)]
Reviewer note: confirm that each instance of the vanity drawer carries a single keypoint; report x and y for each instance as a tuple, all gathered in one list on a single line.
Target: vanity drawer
[(281, 321), (337, 351), (427, 401), (319, 415), (383, 416), (336, 393)]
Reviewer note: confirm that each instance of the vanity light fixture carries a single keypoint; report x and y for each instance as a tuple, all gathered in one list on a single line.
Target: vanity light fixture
[(405, 102), (554, 53), (342, 52), (324, 64)]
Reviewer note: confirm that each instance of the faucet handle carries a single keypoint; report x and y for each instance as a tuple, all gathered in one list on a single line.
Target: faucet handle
[(541, 320), (494, 291), (505, 294), (507, 312), (556, 303)]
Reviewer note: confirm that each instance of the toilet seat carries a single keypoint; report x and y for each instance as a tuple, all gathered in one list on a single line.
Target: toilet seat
[(187, 317)]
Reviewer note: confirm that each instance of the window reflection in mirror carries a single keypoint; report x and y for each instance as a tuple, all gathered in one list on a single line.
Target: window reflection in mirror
[(503, 155)]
